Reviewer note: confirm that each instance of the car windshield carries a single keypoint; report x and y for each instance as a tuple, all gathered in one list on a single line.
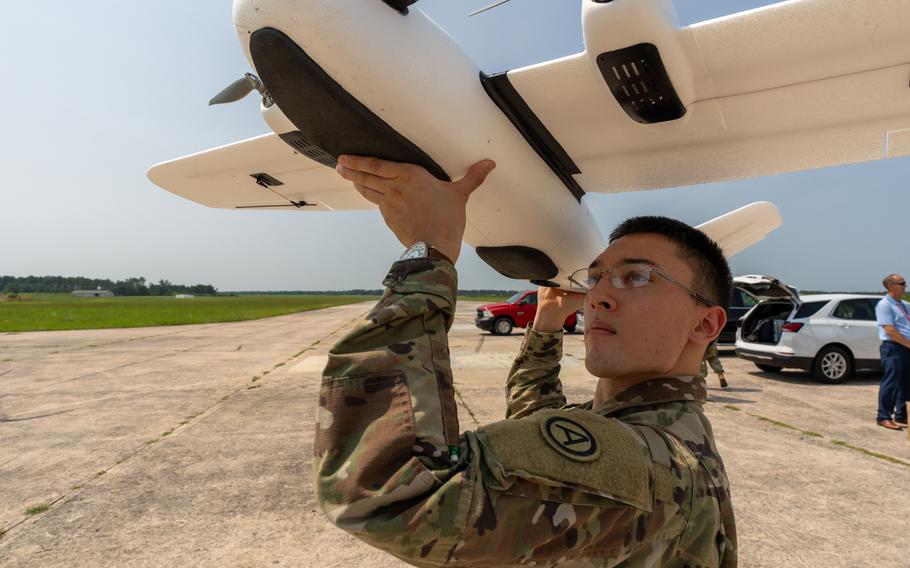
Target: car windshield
[(514, 299)]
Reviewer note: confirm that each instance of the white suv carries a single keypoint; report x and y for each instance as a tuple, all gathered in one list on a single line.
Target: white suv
[(831, 335)]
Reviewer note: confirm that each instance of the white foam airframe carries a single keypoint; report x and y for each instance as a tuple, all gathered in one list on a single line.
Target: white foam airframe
[(647, 104)]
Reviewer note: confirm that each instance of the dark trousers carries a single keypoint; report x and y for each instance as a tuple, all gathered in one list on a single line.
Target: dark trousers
[(895, 384)]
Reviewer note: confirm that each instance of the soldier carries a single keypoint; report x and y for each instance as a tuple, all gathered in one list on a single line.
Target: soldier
[(712, 358), (632, 477)]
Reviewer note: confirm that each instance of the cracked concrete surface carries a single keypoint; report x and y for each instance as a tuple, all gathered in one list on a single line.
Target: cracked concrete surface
[(188, 446)]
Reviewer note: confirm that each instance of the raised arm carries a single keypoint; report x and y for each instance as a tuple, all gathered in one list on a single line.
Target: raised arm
[(533, 381)]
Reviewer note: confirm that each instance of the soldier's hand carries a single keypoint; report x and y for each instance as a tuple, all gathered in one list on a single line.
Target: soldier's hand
[(413, 203), (554, 305)]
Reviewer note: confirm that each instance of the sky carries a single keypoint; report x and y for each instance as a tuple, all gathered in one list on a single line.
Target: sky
[(97, 92)]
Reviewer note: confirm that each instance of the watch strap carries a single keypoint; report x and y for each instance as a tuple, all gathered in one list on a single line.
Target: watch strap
[(435, 254)]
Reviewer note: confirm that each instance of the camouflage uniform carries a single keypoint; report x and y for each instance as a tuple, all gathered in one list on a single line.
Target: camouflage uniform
[(636, 482), (712, 358)]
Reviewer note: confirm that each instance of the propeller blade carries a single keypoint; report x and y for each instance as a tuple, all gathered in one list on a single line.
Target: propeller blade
[(234, 92), (490, 7)]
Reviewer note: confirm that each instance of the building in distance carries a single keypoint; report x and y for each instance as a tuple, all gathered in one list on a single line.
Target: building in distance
[(99, 293)]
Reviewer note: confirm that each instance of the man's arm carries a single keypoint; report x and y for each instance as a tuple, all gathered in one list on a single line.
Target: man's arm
[(896, 336), (533, 381), (387, 442)]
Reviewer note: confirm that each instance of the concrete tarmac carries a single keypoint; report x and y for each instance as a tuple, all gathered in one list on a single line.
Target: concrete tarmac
[(192, 445)]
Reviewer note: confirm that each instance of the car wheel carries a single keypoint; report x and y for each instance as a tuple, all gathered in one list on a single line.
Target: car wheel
[(832, 365), (569, 328), (768, 368), (502, 326)]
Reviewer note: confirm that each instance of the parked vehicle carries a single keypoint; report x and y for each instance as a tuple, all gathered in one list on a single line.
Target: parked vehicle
[(831, 335), (517, 311), (741, 301)]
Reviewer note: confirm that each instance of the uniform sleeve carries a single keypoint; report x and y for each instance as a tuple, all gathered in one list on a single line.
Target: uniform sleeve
[(533, 381), (391, 469)]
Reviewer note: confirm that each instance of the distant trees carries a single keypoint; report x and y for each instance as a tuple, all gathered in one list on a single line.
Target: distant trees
[(129, 287)]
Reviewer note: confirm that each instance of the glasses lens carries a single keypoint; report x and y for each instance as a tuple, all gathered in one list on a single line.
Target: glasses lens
[(630, 276), (899, 283), (581, 281)]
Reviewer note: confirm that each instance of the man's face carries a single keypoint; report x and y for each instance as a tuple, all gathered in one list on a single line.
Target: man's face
[(897, 286), (640, 332)]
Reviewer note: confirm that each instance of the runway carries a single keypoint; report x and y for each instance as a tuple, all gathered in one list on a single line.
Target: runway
[(192, 445)]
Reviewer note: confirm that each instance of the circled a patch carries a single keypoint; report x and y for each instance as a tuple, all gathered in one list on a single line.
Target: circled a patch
[(570, 438)]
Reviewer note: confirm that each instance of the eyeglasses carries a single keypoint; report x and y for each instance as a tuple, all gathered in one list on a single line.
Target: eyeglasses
[(632, 275), (899, 283)]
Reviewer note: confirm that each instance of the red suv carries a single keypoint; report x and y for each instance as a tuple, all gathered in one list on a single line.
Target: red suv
[(517, 311)]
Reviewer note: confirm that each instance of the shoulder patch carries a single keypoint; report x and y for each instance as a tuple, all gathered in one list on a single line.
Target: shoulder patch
[(574, 449), (570, 438)]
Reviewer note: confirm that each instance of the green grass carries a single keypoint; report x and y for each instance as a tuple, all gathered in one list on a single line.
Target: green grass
[(37, 509), (42, 312), (870, 453), (484, 299), (812, 434)]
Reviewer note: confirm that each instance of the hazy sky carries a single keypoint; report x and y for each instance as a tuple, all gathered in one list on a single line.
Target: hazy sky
[(96, 92)]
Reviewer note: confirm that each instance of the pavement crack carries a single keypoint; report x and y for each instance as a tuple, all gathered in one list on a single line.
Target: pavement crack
[(466, 407), (812, 434)]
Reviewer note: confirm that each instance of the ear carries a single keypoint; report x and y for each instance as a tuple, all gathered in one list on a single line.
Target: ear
[(709, 327)]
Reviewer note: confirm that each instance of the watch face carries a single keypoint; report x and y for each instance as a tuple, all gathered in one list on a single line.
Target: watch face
[(417, 250)]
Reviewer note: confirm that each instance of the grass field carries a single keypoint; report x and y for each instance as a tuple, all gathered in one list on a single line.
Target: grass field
[(484, 299), (42, 312)]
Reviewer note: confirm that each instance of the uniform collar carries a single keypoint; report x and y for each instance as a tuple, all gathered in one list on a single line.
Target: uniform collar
[(656, 391)]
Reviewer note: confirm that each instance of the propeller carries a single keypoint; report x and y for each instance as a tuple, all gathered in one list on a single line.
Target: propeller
[(241, 88), (490, 7)]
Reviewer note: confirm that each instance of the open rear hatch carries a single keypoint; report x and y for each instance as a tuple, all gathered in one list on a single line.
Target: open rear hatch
[(764, 323)]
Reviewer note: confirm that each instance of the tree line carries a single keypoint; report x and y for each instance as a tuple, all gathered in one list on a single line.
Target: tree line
[(129, 287), (355, 292)]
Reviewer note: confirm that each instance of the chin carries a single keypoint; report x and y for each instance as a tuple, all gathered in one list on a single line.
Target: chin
[(615, 369), (602, 369)]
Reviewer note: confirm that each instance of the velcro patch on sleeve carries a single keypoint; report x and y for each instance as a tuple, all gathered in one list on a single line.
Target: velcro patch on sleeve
[(577, 449)]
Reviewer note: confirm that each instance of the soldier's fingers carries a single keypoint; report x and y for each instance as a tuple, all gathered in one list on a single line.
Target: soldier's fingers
[(475, 177), (375, 166), (376, 183), (370, 195)]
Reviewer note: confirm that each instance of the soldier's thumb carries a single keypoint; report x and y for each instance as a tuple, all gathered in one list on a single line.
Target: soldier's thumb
[(475, 177)]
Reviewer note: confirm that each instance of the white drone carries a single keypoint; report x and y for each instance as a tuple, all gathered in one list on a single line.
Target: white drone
[(796, 85)]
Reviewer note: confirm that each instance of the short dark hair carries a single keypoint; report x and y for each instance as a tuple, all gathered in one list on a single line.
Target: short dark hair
[(712, 273)]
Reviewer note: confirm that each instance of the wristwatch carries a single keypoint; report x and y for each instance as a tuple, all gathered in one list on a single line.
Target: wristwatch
[(421, 249)]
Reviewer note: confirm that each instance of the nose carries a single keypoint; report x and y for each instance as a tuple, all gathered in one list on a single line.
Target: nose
[(601, 296)]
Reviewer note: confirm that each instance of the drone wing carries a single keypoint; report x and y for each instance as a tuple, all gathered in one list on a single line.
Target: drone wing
[(741, 228), (791, 86), (259, 173)]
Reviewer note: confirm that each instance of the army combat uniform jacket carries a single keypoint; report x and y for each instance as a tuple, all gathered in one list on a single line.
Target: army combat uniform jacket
[(635, 482)]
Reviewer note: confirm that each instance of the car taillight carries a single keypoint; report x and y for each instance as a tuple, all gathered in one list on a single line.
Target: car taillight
[(792, 327)]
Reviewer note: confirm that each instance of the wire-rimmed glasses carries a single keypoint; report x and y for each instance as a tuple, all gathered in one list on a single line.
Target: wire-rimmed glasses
[(629, 275)]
